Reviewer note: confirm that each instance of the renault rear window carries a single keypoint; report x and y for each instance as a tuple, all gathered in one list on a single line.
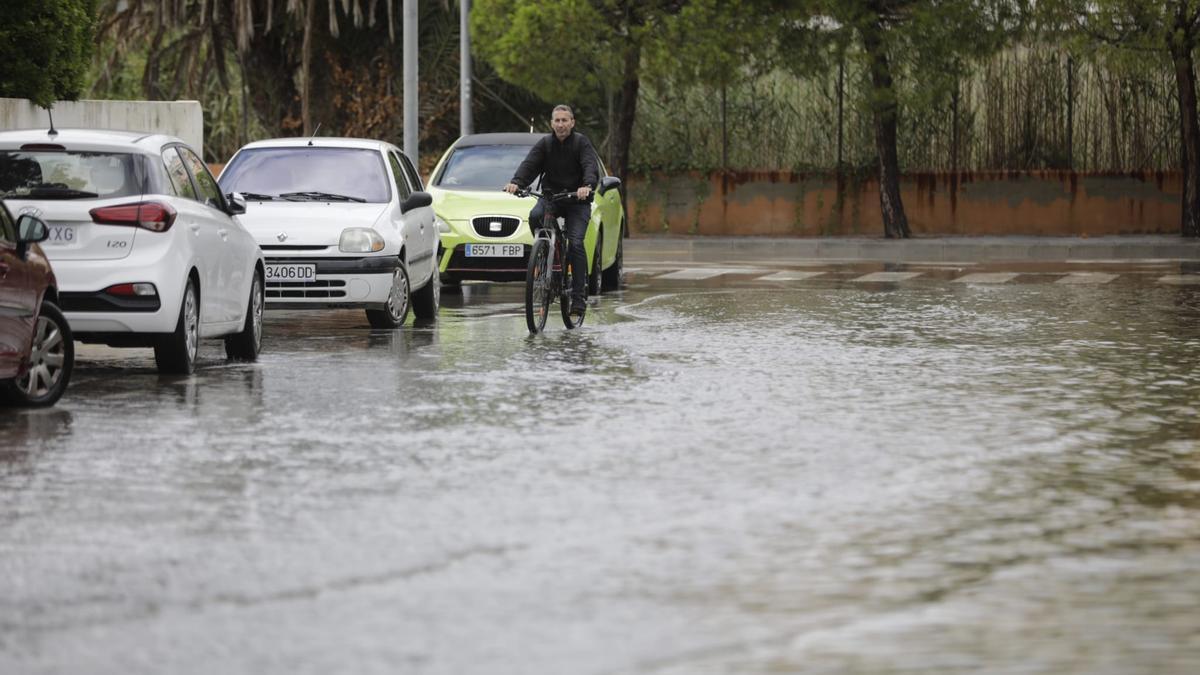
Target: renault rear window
[(58, 174)]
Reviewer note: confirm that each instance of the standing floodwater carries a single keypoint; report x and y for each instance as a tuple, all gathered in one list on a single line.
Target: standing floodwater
[(731, 473)]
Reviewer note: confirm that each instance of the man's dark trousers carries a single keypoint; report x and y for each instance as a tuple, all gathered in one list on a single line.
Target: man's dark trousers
[(576, 215)]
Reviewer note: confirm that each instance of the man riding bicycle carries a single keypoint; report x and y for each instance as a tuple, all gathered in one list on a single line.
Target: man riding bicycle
[(566, 161)]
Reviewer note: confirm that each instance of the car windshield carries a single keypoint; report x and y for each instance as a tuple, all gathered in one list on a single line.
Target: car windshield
[(59, 174), (481, 167), (304, 173)]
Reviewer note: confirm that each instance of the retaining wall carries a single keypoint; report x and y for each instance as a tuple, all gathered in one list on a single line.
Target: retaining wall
[(184, 119), (1055, 203)]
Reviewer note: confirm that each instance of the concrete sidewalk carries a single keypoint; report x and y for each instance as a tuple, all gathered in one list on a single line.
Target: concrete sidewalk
[(932, 249)]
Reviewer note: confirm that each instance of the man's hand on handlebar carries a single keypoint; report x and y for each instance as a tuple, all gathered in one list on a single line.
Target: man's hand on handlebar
[(581, 194)]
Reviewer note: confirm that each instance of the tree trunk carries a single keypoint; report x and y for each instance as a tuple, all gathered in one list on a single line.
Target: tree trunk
[(306, 66), (1070, 113), (884, 107), (954, 96), (610, 112), (1185, 79), (724, 131), (841, 90), (626, 113)]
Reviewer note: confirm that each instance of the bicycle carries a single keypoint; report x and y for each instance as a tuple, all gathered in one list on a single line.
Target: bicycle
[(548, 274)]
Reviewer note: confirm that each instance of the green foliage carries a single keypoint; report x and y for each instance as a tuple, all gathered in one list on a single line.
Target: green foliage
[(558, 49), (45, 48), (718, 42), (934, 40), (1121, 30), (776, 60), (775, 121), (1012, 115), (586, 53)]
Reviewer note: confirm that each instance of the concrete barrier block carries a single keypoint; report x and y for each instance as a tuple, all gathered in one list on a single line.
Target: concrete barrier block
[(184, 119)]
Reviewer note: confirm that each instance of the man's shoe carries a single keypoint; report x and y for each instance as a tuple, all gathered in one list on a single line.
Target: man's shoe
[(577, 311)]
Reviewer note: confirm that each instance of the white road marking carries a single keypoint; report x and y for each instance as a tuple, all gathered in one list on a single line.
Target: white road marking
[(678, 273), (1180, 279), (986, 278), (1087, 278), (700, 273), (887, 276), (790, 276)]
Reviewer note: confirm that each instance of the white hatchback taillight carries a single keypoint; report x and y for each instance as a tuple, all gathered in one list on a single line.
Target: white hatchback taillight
[(132, 290), (153, 216)]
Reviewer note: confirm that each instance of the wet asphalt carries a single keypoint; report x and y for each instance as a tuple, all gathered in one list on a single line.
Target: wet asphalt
[(740, 464)]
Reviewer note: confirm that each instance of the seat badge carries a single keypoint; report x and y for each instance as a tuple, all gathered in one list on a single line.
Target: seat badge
[(282, 236), (494, 226)]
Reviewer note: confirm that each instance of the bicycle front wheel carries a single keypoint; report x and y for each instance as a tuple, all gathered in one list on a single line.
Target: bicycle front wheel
[(538, 286), (568, 281)]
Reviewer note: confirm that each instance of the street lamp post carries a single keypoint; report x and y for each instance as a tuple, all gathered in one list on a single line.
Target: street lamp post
[(464, 71), (411, 146)]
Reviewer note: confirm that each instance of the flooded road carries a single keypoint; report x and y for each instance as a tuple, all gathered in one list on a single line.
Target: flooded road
[(734, 467)]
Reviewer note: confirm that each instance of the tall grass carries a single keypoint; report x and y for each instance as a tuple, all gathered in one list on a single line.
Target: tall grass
[(1011, 113)]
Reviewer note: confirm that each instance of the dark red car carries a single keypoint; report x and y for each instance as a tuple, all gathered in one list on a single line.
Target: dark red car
[(37, 351)]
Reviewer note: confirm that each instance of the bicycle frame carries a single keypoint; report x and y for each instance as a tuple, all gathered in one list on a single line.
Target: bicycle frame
[(557, 245), (552, 230)]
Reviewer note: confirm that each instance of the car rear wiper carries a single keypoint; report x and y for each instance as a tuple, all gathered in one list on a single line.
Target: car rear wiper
[(319, 197), (52, 191), (256, 197)]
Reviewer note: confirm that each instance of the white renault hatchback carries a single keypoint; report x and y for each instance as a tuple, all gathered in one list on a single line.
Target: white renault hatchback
[(343, 222), (147, 251)]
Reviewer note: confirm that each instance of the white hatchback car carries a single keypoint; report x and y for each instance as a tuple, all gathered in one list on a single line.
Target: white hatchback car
[(343, 222), (147, 250)]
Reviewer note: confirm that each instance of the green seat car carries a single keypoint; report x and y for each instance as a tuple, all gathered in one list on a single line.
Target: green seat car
[(485, 232)]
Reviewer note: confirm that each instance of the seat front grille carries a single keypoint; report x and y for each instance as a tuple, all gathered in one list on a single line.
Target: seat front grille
[(495, 226)]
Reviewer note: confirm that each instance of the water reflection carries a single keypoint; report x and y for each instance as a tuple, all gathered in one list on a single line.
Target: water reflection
[(820, 477), (25, 432)]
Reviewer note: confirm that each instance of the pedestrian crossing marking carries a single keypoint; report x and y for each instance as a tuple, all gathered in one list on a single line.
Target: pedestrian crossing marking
[(986, 278), (887, 276), (760, 274), (1086, 278), (790, 276), (1180, 279), (701, 273)]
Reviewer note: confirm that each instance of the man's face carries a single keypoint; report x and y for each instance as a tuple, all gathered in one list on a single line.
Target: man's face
[(563, 122)]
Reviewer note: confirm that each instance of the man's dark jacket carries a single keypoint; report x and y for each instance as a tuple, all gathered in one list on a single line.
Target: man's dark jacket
[(568, 164)]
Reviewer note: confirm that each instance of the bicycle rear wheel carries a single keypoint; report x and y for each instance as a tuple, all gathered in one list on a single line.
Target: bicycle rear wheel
[(538, 286)]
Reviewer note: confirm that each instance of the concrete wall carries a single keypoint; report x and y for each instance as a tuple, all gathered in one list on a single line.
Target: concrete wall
[(184, 119), (1059, 203)]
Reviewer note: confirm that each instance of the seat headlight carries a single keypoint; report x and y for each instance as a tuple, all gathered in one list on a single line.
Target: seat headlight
[(442, 226), (360, 240)]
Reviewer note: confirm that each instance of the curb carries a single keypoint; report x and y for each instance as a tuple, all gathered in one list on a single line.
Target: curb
[(933, 249)]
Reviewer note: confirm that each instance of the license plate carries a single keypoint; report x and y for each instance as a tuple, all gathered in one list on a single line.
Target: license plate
[(60, 235), (291, 272), (495, 250)]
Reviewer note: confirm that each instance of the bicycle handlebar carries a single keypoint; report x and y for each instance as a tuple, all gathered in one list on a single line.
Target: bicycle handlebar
[(557, 197)]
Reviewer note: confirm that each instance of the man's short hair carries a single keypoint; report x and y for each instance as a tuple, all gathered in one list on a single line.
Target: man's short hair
[(564, 108)]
